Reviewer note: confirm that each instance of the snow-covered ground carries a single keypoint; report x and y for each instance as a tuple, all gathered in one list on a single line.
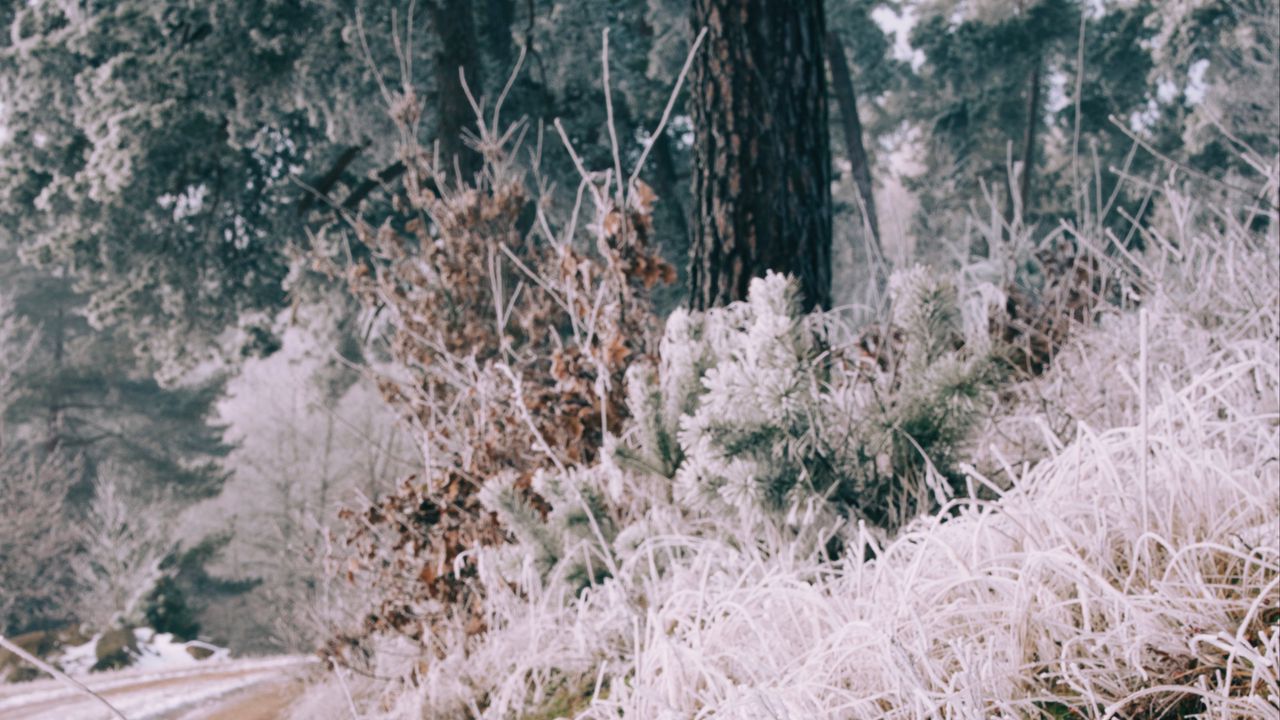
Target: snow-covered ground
[(156, 651), (153, 690)]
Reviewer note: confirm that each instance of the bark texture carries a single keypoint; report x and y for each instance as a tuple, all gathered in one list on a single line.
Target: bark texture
[(762, 162)]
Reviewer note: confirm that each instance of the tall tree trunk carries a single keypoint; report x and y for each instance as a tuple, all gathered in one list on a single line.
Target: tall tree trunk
[(455, 29), (1029, 140), (842, 87), (762, 162)]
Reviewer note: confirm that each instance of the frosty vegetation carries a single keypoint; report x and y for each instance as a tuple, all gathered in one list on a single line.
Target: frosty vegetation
[(1042, 484), (447, 424), (1127, 564)]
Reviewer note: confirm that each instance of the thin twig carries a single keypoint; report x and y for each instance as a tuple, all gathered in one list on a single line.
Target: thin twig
[(527, 416), (346, 691), (608, 109), (1142, 411), (368, 57), (671, 103), (1255, 193), (511, 80)]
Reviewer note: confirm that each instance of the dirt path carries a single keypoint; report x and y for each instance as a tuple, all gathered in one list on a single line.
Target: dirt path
[(257, 689), (267, 700)]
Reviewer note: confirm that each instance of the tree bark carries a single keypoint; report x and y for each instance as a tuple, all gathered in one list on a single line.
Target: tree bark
[(455, 29), (847, 100), (762, 161)]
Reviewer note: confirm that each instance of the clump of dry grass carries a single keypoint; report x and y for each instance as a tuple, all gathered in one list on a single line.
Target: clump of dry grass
[(1062, 592)]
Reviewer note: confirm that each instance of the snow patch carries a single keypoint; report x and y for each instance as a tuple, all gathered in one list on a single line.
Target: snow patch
[(160, 651)]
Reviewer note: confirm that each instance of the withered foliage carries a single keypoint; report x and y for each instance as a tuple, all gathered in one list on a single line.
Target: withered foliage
[(512, 344), (1037, 322)]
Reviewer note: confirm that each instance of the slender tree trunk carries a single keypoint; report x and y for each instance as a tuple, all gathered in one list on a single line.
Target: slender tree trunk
[(1029, 140), (842, 87), (499, 16), (327, 470), (455, 29), (762, 163), (56, 398)]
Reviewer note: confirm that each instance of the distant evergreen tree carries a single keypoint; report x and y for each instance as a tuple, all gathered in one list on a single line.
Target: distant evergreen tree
[(982, 100), (995, 99), (86, 394), (1230, 49), (168, 611), (188, 589), (862, 70), (155, 149)]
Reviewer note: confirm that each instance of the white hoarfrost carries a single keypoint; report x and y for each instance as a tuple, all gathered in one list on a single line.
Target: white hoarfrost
[(1124, 563)]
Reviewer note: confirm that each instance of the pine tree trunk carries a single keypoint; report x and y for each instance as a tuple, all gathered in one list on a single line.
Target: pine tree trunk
[(762, 174), (455, 30), (842, 88)]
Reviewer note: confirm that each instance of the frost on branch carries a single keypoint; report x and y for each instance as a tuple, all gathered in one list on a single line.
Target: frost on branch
[(510, 340), (754, 418), (757, 410), (124, 544)]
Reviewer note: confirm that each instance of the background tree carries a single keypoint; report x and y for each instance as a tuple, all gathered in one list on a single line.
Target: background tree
[(307, 442), (1113, 84), (37, 536), (1218, 61), (847, 100), (123, 544), (188, 595), (863, 70), (86, 393), (152, 151), (167, 155), (997, 106), (762, 175), (981, 99), (80, 415), (36, 533)]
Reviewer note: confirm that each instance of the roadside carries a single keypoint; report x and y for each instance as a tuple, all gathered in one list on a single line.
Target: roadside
[(251, 689)]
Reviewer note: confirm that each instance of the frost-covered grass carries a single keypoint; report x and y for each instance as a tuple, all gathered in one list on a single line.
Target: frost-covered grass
[(1062, 591), (1116, 553)]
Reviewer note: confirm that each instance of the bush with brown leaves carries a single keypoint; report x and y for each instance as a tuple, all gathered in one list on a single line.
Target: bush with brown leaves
[(511, 340)]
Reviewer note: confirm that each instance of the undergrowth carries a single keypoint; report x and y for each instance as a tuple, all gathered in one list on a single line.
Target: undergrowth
[(1042, 488)]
